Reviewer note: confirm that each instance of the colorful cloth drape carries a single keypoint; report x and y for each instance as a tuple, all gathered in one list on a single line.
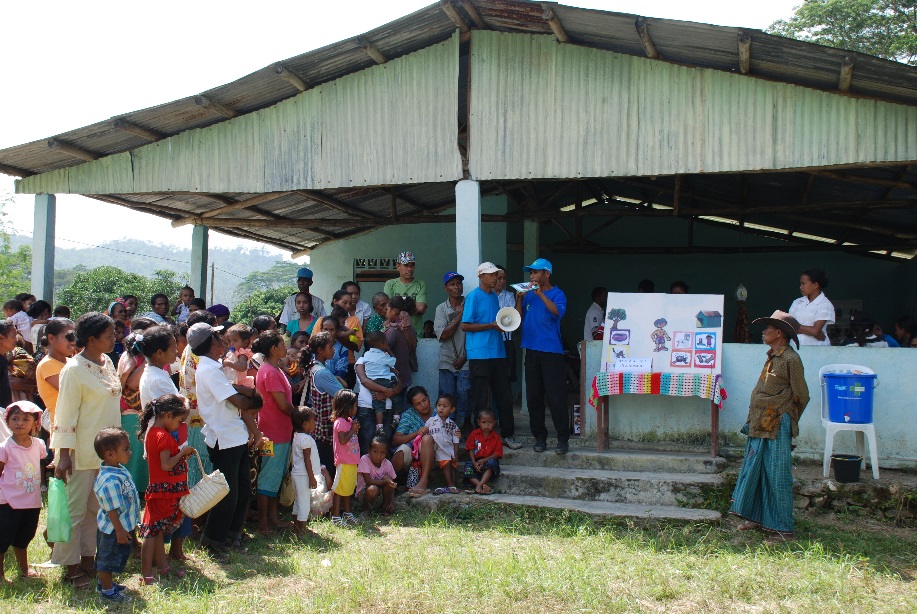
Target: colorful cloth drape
[(703, 385)]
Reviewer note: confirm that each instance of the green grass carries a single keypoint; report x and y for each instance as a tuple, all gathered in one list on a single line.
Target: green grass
[(496, 559)]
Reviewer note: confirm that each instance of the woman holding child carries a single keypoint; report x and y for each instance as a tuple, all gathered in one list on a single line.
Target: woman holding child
[(411, 427)]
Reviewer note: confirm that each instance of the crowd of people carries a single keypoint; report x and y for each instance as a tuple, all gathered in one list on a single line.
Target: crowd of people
[(315, 405)]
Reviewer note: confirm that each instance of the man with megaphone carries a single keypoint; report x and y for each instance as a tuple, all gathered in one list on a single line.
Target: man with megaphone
[(541, 309)]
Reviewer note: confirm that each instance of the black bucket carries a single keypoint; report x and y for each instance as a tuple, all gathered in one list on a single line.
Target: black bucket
[(847, 467)]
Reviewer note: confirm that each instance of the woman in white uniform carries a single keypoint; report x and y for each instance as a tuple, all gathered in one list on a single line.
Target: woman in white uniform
[(813, 310)]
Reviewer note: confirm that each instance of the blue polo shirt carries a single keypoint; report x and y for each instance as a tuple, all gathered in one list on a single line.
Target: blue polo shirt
[(540, 327), (481, 308)]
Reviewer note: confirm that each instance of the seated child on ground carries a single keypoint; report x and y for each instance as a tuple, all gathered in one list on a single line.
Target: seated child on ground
[(445, 435), (380, 368), (119, 511), (485, 449), (310, 478), (376, 476), (20, 484)]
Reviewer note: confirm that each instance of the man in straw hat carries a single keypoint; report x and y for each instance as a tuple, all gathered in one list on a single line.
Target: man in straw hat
[(763, 495)]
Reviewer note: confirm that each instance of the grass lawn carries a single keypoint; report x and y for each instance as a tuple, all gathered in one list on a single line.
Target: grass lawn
[(495, 559)]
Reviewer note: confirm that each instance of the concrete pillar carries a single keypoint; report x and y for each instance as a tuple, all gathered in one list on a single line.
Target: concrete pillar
[(530, 238), (199, 241), (468, 231), (43, 247)]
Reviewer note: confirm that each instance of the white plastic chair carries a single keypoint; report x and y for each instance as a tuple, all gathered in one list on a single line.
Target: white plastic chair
[(833, 427)]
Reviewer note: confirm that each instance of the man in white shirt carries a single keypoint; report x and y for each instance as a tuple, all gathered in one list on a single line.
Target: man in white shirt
[(304, 281), (595, 315)]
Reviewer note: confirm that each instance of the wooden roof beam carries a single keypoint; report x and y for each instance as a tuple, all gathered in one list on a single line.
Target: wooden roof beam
[(14, 171), (214, 107), (290, 77), (843, 81), (473, 13), (241, 204), (453, 15), (371, 50), (311, 223), (126, 126), (334, 203), (885, 183), (559, 33), (744, 43), (643, 32), (72, 150)]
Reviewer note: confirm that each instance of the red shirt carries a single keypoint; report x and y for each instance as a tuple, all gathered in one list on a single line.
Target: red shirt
[(276, 425), (484, 446), (164, 484)]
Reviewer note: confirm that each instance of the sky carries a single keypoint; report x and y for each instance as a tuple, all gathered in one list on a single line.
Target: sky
[(68, 64)]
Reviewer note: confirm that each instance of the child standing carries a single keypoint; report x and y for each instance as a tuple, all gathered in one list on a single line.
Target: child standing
[(346, 455), (376, 476), (119, 512), (485, 449), (445, 435), (310, 478), (168, 480), (235, 365), (20, 484), (380, 368)]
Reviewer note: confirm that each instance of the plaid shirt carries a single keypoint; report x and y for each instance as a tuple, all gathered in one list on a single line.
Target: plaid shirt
[(115, 490), (410, 422)]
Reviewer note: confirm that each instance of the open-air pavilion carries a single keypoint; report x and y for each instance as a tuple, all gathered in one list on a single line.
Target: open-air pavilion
[(621, 147)]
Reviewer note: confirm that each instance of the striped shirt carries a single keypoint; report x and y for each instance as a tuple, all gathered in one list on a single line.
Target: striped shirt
[(115, 490)]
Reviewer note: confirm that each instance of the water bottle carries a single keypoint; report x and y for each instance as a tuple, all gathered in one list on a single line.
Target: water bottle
[(231, 374)]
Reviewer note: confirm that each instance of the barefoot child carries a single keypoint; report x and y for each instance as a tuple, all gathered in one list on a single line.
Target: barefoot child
[(376, 476), (168, 480), (445, 435), (119, 511), (485, 449), (310, 479), (346, 455), (20, 484)]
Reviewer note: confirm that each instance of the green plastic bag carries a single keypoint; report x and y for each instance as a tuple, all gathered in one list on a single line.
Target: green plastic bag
[(58, 512)]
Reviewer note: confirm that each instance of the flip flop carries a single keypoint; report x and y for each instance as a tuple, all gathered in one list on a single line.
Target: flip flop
[(470, 491), (414, 493), (748, 526), (452, 490), (441, 491)]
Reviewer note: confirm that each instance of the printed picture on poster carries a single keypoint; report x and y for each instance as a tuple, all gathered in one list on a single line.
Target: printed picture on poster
[(705, 359), (660, 336), (681, 358), (619, 337), (705, 341), (682, 340)]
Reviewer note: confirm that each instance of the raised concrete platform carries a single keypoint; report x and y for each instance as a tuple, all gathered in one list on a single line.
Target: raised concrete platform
[(617, 460)]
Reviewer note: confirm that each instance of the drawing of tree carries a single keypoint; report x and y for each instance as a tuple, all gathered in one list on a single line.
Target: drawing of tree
[(616, 314)]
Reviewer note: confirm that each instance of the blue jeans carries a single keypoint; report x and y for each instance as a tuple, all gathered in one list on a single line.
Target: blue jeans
[(366, 416), (457, 384)]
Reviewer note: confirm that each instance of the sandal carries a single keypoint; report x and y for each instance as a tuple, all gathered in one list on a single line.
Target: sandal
[(441, 491), (148, 580), (748, 526), (78, 580), (414, 492), (470, 491)]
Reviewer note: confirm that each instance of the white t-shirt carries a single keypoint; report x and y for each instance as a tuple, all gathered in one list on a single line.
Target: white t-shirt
[(444, 436), (809, 312), (222, 420), (595, 317), (23, 324), (363, 311), (154, 382), (289, 308), (301, 442), (365, 395)]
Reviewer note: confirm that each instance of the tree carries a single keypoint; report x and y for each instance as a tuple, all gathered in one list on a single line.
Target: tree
[(883, 28), (616, 314), (280, 275), (94, 290), (15, 264), (261, 302)]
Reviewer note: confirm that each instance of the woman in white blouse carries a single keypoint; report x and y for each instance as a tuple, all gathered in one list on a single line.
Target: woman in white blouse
[(88, 401), (813, 310)]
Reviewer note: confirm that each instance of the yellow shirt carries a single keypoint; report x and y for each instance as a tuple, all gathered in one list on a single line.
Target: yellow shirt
[(88, 401), (48, 367)]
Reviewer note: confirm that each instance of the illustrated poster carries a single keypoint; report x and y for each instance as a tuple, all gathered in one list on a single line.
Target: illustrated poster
[(681, 333)]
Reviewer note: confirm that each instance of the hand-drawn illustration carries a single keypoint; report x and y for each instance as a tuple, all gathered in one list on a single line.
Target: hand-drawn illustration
[(659, 336)]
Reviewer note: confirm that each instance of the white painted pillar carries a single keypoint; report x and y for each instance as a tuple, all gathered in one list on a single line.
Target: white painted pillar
[(43, 247), (468, 231), (199, 246), (530, 238)]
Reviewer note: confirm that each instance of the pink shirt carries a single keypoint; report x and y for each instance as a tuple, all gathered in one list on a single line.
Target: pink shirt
[(345, 453), (20, 483), (275, 424), (385, 470)]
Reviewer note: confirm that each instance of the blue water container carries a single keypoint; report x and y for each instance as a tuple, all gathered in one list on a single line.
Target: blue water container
[(850, 397)]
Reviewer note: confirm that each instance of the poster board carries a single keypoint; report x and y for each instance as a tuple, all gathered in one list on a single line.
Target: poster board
[(681, 333)]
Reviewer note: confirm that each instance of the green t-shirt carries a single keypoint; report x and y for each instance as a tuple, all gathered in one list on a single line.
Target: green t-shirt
[(417, 290)]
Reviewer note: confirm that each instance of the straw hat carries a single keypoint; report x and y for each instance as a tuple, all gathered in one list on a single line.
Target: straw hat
[(784, 322)]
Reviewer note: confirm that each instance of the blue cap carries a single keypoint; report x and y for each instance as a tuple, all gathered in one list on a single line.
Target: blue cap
[(450, 275), (304, 272), (539, 265)]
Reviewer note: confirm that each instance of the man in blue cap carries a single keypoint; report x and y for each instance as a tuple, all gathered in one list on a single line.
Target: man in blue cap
[(454, 377), (541, 309), (304, 281)]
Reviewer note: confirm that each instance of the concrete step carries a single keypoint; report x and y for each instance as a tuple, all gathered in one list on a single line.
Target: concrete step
[(637, 487), (617, 460), (593, 508)]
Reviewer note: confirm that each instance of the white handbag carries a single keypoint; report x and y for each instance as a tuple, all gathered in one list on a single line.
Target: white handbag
[(205, 494)]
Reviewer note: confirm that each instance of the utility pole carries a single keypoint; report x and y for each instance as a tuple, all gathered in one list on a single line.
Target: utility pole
[(212, 276)]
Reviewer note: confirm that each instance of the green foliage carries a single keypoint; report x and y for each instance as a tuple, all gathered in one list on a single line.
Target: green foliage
[(260, 302), (93, 290), (883, 28), (15, 264), (280, 275)]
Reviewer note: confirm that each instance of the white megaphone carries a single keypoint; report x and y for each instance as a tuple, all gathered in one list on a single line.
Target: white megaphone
[(508, 319)]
